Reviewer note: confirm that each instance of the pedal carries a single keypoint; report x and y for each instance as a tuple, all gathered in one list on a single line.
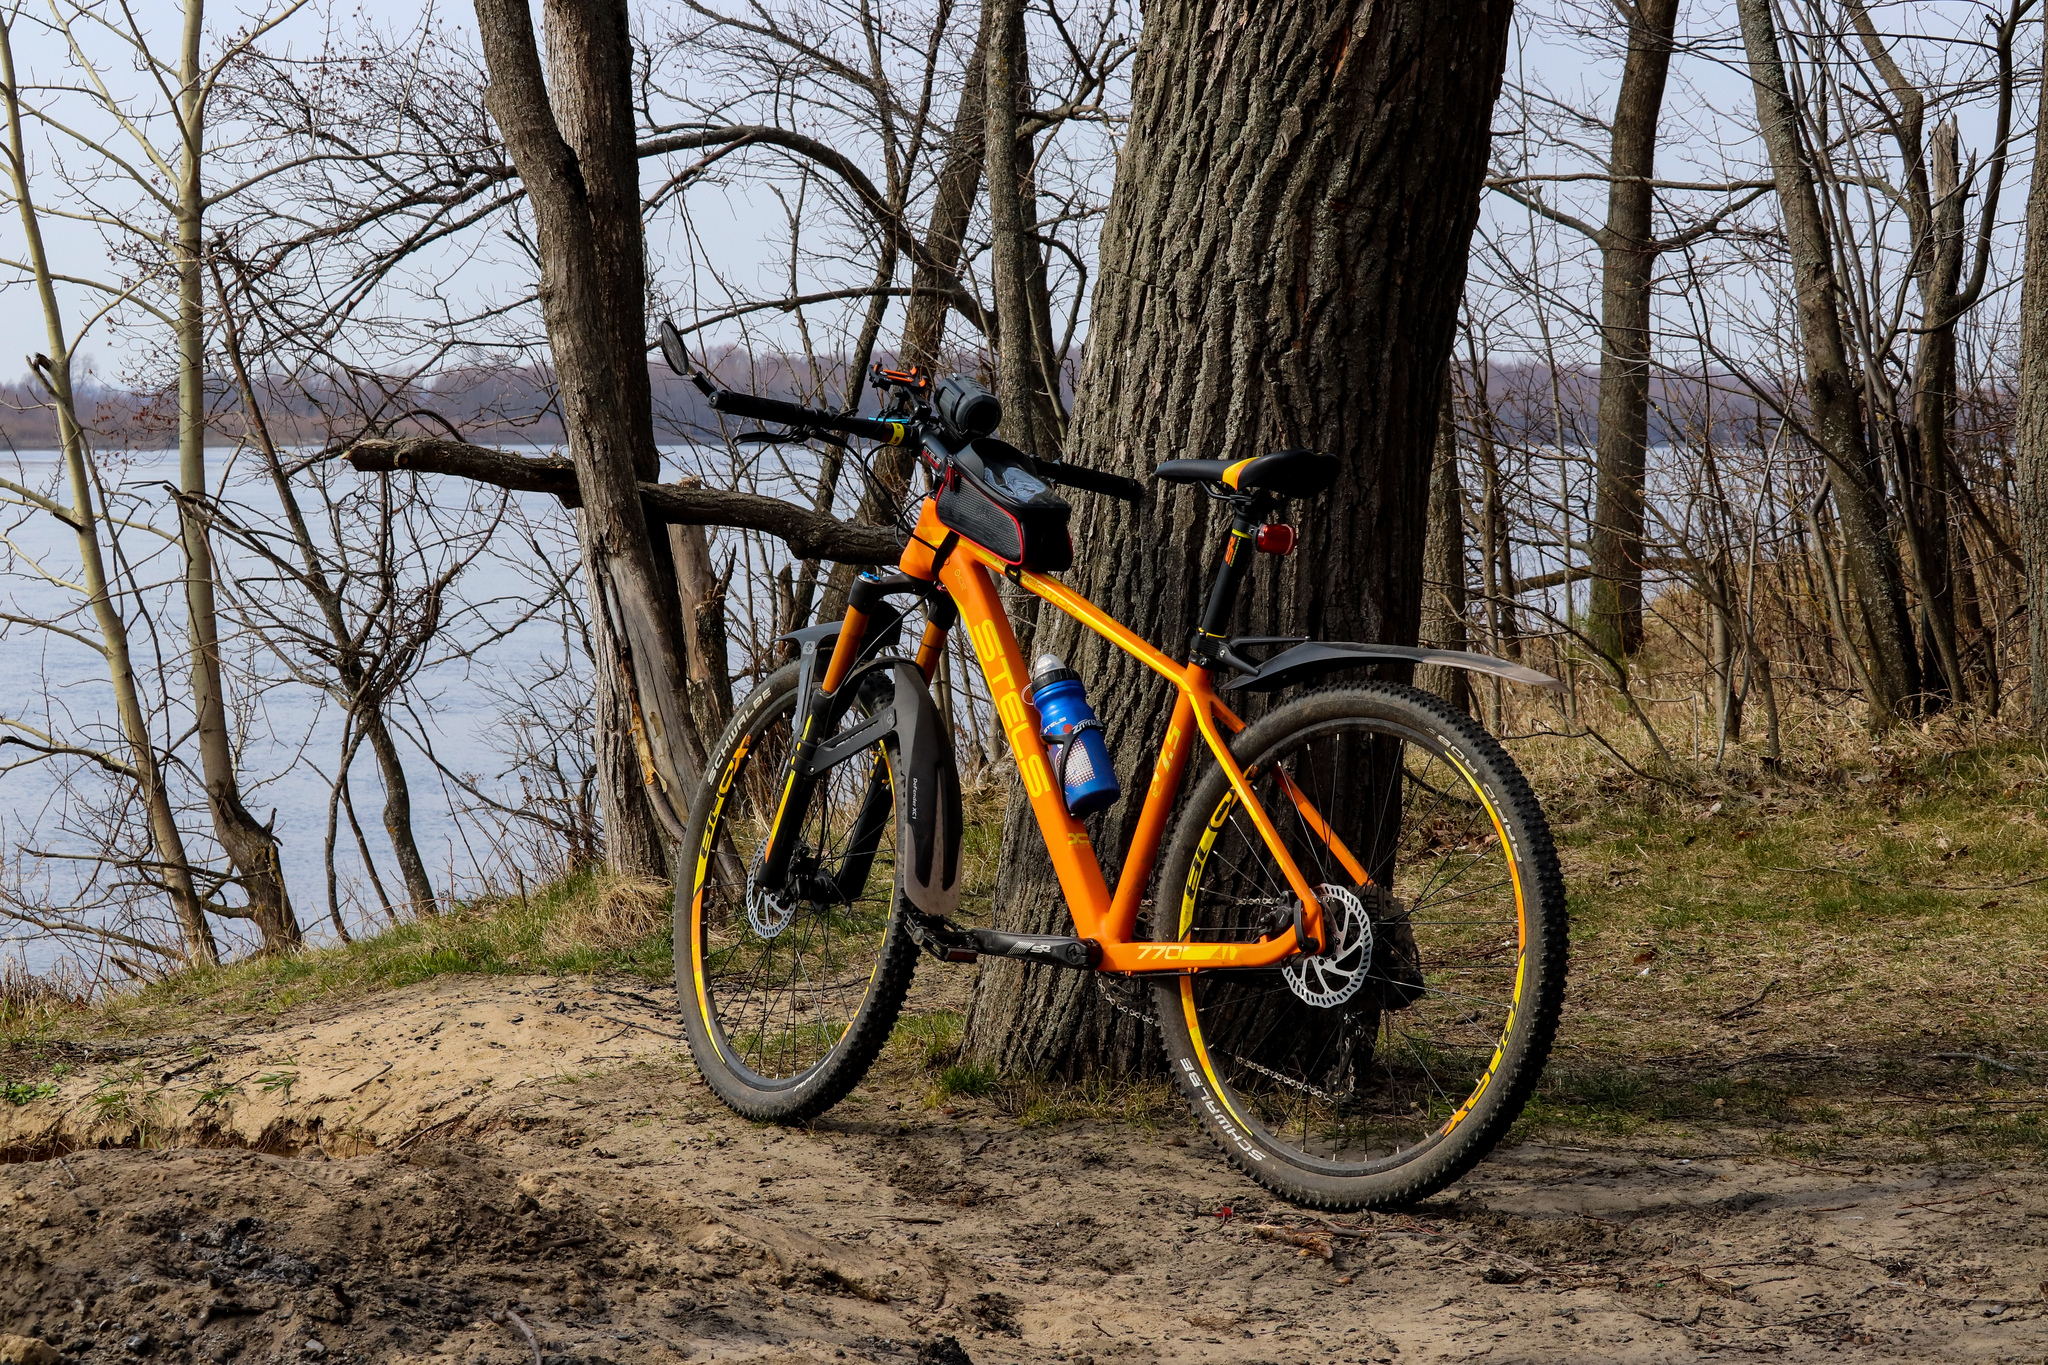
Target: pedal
[(1081, 954), (943, 939)]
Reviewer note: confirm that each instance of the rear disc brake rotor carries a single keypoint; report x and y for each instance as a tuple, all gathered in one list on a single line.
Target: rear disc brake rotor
[(1328, 979)]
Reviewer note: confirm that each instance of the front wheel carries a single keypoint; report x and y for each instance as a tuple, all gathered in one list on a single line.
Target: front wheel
[(1379, 1071), (788, 996)]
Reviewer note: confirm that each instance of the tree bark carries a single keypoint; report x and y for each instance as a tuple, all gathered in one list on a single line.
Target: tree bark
[(1281, 265), (701, 598), (632, 835), (1030, 413), (2030, 429), (250, 846), (1925, 474), (573, 146), (1868, 552), (83, 516), (1628, 258), (1443, 564)]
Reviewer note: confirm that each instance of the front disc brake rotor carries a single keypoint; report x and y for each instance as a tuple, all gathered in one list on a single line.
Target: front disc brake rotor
[(768, 913), (1328, 979)]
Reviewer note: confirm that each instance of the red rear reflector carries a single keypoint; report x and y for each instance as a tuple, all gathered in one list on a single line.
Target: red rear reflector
[(1276, 539)]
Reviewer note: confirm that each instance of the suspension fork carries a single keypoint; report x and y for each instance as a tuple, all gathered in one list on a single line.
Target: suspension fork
[(877, 803), (800, 782)]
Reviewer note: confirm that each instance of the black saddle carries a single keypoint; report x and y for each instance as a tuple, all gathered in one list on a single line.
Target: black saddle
[(1287, 473)]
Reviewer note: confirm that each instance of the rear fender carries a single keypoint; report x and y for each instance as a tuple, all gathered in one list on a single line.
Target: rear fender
[(1316, 658)]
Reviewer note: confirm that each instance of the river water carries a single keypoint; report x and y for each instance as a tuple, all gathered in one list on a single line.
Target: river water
[(494, 666)]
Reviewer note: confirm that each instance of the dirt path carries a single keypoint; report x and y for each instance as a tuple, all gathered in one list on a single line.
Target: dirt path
[(453, 1165)]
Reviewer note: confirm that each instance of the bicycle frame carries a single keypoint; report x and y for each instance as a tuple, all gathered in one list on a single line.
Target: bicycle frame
[(1110, 919)]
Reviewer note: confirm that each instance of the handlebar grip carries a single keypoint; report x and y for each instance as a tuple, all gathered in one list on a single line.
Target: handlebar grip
[(1093, 480), (789, 414)]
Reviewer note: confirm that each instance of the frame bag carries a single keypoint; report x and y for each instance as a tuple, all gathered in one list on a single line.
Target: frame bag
[(995, 497)]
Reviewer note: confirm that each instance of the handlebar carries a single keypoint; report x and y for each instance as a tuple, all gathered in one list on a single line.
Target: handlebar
[(790, 414), (1092, 480), (964, 406)]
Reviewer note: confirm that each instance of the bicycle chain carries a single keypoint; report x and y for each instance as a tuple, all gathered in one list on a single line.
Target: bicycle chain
[(1288, 1081), (1144, 1016), (1109, 994)]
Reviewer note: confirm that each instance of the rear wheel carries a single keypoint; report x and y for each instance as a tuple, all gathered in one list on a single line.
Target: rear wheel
[(1378, 1072), (788, 997)]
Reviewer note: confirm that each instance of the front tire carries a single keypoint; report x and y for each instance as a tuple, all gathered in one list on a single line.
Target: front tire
[(788, 1000), (1454, 963)]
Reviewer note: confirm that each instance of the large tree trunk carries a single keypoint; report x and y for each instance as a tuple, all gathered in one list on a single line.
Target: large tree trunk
[(632, 834), (1628, 257), (2030, 433), (1868, 552), (573, 145), (1281, 265)]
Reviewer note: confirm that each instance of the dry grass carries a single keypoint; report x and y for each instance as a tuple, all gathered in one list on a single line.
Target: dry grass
[(1818, 950), (28, 999), (620, 913)]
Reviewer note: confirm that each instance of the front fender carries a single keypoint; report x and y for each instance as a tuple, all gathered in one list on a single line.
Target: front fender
[(926, 782), (927, 797), (1316, 658)]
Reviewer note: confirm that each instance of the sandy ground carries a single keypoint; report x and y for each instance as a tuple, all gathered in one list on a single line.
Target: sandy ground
[(432, 1175)]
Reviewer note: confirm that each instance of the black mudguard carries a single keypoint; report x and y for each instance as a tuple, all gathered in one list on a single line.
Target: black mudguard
[(927, 797), (1313, 659), (927, 786)]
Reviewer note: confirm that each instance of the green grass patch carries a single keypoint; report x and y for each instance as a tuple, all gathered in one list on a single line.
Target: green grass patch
[(972, 1079), (26, 1092), (514, 936), (929, 1041)]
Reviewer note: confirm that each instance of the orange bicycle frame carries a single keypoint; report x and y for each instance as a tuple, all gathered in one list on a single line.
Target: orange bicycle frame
[(1110, 919)]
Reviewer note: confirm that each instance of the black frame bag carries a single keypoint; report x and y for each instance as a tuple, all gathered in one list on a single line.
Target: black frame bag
[(996, 497)]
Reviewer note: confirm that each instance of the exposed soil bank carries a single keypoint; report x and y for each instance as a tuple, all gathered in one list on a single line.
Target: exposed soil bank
[(420, 1186)]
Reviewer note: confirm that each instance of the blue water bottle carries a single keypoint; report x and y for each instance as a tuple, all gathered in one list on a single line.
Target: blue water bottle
[(1080, 758)]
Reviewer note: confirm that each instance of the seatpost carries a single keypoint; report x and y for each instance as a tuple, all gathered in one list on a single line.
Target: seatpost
[(1207, 644)]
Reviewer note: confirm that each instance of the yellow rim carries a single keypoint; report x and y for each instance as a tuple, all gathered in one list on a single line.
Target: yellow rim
[(1214, 828), (725, 781), (697, 946)]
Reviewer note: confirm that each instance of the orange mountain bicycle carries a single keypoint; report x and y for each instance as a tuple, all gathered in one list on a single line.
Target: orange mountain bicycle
[(1356, 945)]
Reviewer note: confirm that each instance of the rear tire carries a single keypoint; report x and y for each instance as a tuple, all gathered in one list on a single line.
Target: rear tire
[(783, 1025), (1384, 1096)]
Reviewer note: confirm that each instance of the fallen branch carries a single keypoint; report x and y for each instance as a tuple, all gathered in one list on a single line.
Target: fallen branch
[(809, 535), (531, 1340), (1748, 1005)]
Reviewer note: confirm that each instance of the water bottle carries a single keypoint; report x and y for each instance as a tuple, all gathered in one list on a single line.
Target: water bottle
[(1080, 758)]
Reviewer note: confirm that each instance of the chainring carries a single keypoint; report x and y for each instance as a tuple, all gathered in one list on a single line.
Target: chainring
[(1328, 979)]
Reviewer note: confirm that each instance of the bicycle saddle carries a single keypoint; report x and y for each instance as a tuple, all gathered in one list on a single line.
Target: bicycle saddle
[(1288, 473)]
